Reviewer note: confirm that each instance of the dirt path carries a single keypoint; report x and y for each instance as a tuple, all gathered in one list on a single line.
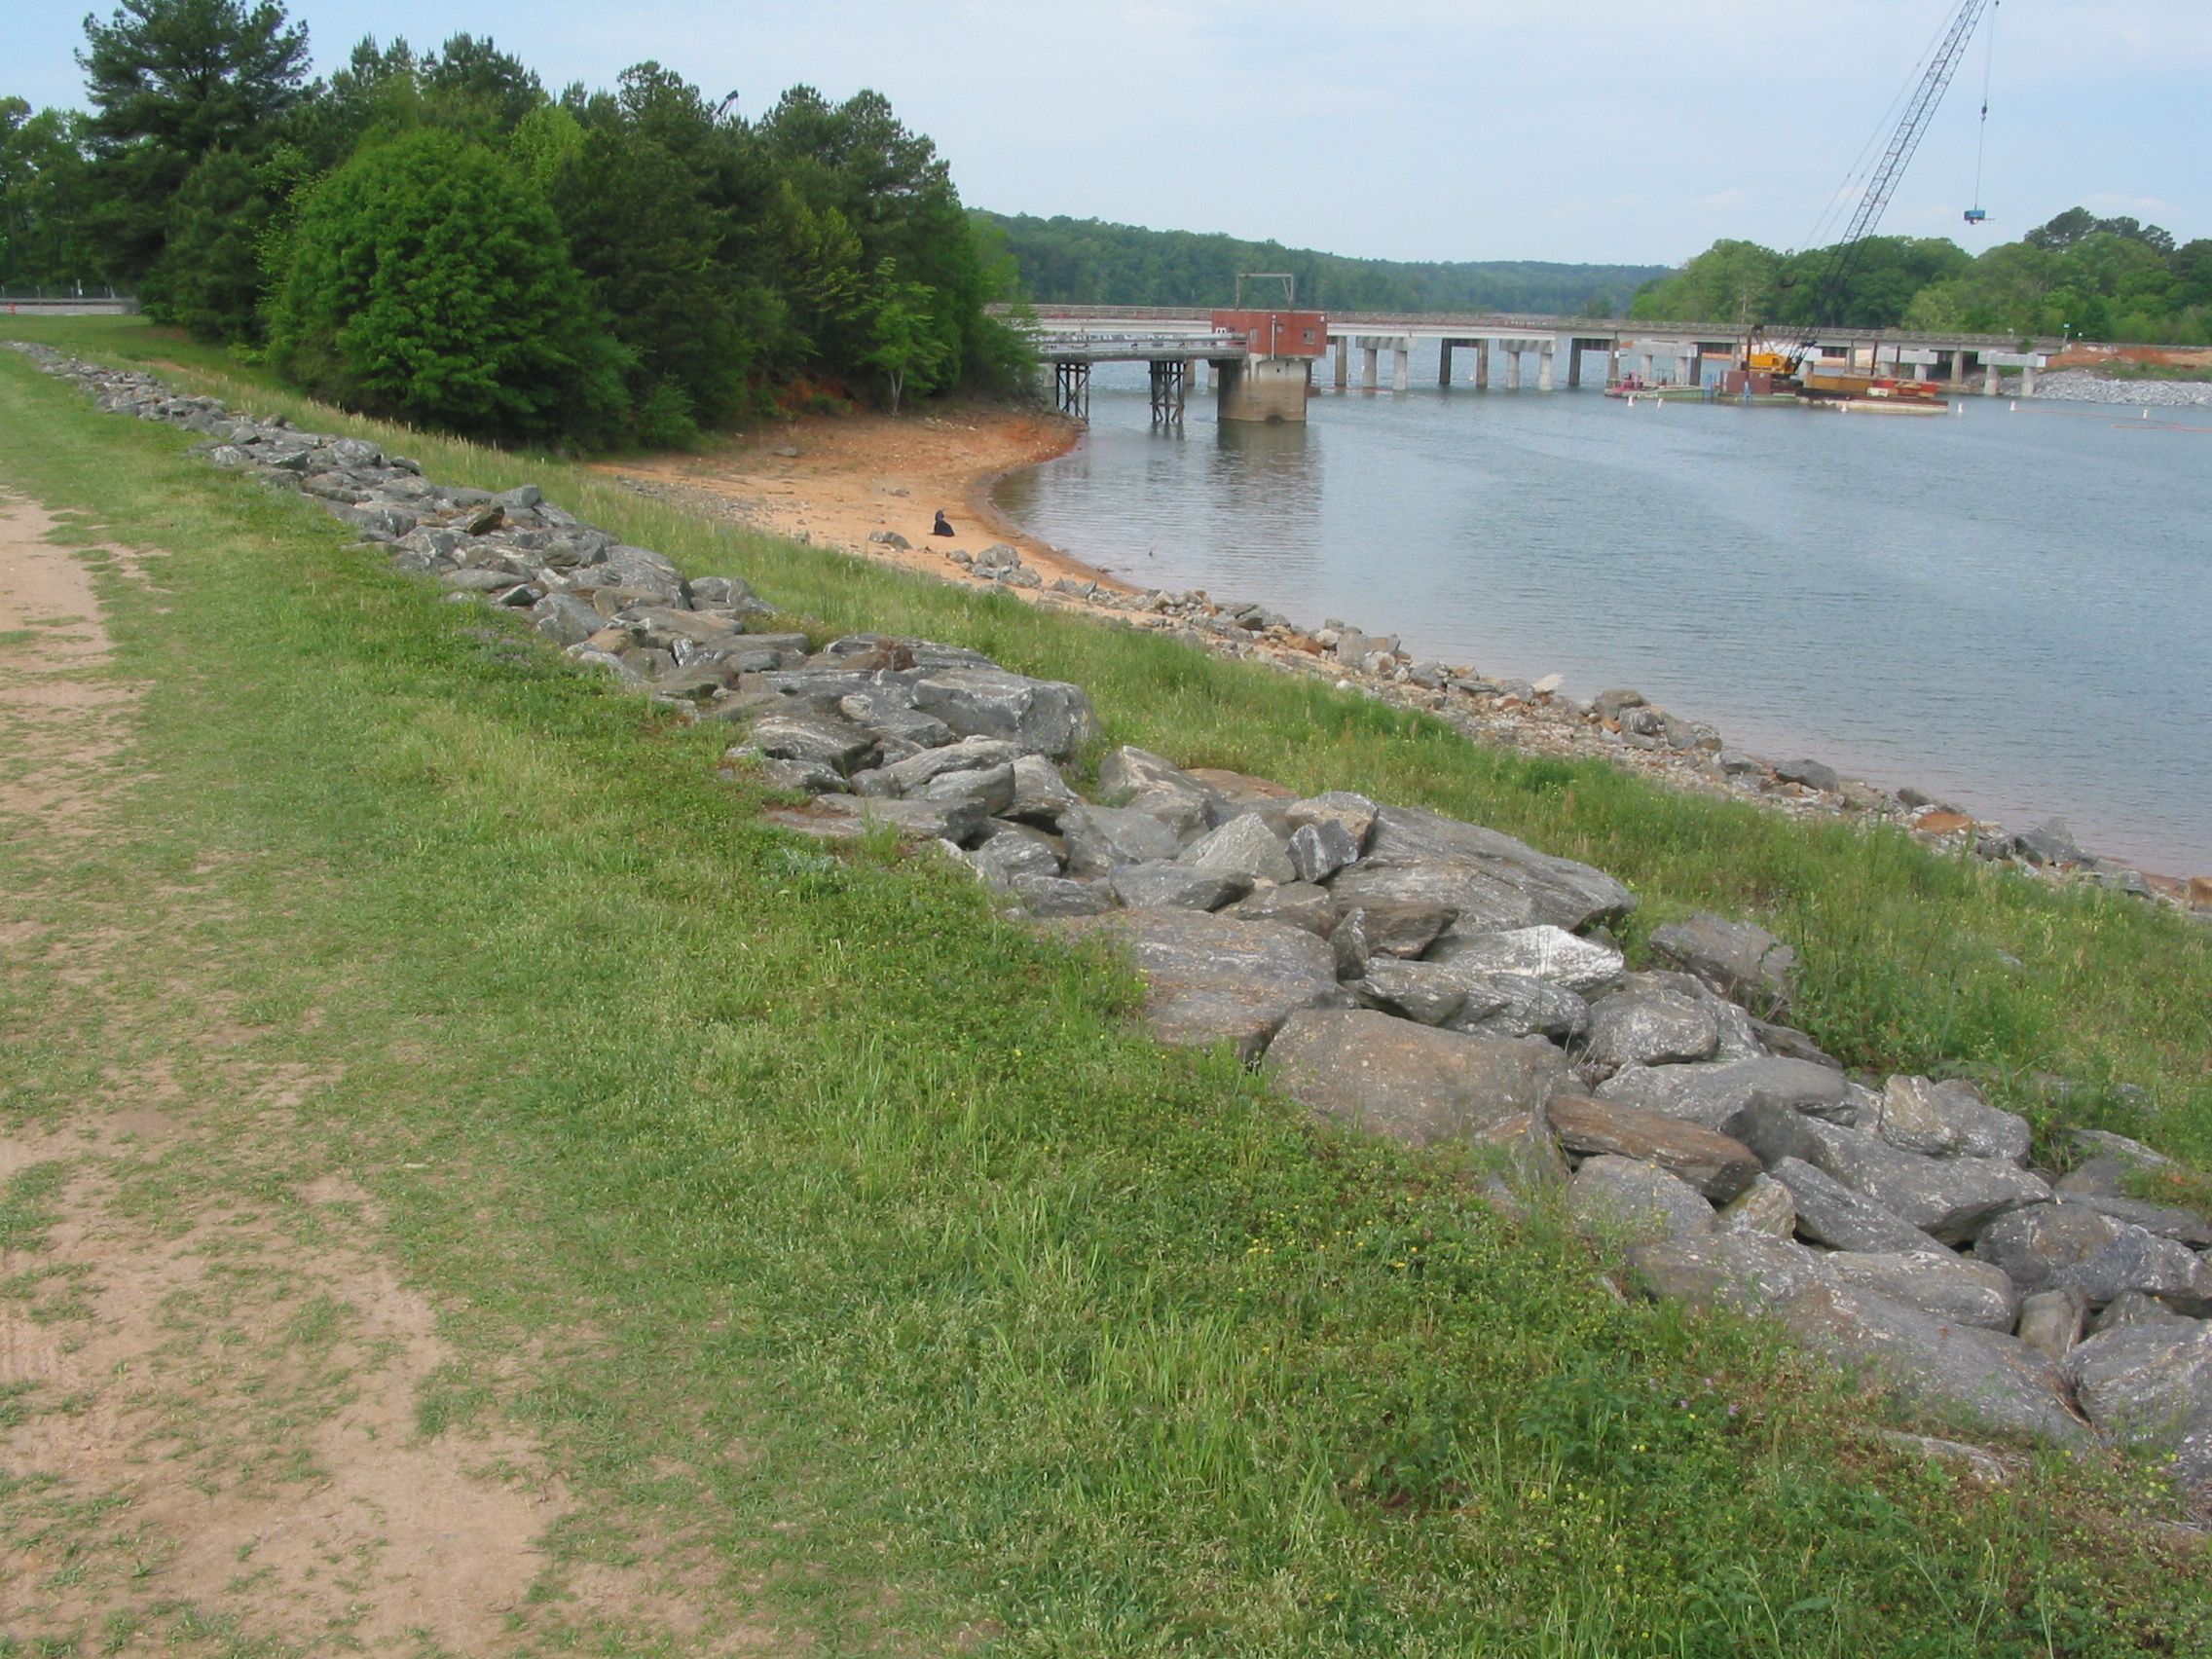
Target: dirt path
[(213, 1378), (834, 480)]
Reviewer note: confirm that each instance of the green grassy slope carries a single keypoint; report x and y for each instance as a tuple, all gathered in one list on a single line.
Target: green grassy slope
[(1014, 1317)]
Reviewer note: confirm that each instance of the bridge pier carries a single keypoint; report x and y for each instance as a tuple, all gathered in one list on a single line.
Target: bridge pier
[(1368, 354), (1071, 389), (1989, 380), (1444, 362), (1170, 376), (1402, 357), (1344, 361), (1544, 370), (1482, 366), (1513, 370), (1270, 389)]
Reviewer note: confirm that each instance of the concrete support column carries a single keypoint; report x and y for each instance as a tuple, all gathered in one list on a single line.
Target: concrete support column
[(1444, 362), (1613, 363), (1368, 354), (1574, 365), (1544, 381), (1513, 370), (1482, 366), (1989, 380), (1269, 389), (2027, 379), (1344, 361), (1401, 365)]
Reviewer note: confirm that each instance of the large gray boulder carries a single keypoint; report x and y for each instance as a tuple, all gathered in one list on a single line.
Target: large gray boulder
[(802, 736), (1128, 771), (1949, 1199), (1209, 979), (2061, 1245), (1646, 1025), (1943, 1118), (1044, 717), (1541, 952), (1301, 904), (1006, 856), (1395, 929), (1164, 883), (1712, 1093), (1515, 1004), (1830, 1213), (1041, 796), (1243, 846), (1556, 891), (1636, 1202), (1951, 1370), (916, 772), (1741, 960), (993, 786), (1319, 850), (1047, 897), (566, 620), (1713, 1165), (1410, 1083), (1352, 814), (848, 817), (1935, 1282), (1100, 838), (2151, 1385)]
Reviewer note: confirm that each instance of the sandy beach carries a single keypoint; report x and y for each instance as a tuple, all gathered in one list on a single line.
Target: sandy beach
[(837, 480)]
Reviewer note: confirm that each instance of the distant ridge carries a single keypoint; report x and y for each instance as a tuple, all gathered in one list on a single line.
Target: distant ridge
[(1067, 261)]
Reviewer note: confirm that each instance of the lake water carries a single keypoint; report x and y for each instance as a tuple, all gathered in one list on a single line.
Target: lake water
[(2012, 610)]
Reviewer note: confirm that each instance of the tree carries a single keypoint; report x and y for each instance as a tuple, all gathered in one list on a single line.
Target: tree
[(906, 339), (427, 280), (1731, 282), (43, 228), (170, 81), (209, 279)]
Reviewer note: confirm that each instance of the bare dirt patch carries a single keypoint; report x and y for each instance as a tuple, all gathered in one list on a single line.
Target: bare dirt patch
[(58, 724)]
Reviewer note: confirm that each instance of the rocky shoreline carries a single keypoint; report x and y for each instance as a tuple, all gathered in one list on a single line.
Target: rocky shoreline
[(1401, 974), (1619, 727)]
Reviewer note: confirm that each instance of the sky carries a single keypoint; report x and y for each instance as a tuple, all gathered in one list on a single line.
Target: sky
[(1599, 130)]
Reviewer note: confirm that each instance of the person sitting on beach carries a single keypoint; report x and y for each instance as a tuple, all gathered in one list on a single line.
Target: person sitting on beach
[(942, 527)]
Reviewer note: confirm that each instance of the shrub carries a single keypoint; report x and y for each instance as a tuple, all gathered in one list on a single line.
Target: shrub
[(426, 279)]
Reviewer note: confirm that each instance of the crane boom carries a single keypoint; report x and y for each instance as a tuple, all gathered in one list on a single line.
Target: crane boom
[(1833, 283), (1914, 124)]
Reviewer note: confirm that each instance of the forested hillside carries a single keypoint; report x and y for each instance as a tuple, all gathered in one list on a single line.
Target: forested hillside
[(434, 237), (1088, 261), (2112, 279)]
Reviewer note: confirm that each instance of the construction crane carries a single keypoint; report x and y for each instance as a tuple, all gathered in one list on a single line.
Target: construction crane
[(1832, 285)]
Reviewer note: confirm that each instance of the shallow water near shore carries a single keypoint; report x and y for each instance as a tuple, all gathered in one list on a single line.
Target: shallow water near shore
[(2012, 610)]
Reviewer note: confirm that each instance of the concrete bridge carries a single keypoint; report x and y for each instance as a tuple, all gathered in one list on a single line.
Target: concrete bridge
[(67, 304), (1178, 342)]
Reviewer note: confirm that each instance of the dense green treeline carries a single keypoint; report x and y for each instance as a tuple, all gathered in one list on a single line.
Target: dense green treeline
[(2112, 279), (433, 237), (1087, 261)]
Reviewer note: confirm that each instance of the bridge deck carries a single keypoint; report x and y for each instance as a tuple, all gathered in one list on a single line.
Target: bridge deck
[(1163, 320)]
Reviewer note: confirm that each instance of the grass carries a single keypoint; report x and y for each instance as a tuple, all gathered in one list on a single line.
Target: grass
[(884, 1262)]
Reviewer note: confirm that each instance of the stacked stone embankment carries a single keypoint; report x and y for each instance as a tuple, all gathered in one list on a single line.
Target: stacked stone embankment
[(1402, 974), (2084, 385)]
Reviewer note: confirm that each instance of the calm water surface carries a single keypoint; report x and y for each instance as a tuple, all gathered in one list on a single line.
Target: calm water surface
[(2011, 610)]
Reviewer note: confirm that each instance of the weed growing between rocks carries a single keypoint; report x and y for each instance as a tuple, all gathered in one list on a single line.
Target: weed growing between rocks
[(885, 1226)]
